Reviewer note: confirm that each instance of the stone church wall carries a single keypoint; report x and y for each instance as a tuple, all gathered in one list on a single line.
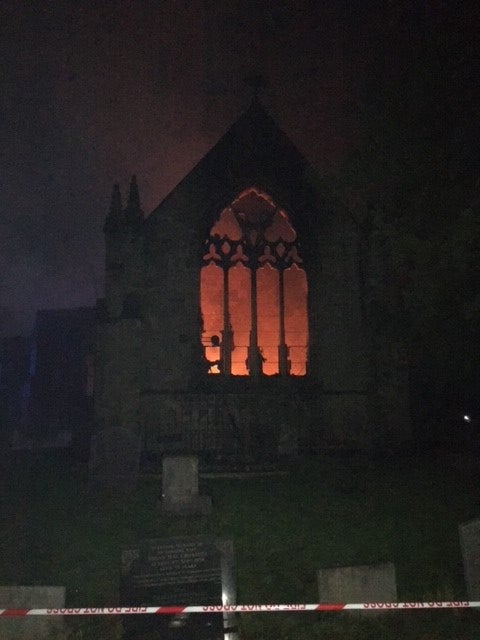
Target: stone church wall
[(150, 366), (246, 426), (117, 381)]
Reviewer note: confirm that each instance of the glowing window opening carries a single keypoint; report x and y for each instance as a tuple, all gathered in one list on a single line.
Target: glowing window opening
[(253, 292)]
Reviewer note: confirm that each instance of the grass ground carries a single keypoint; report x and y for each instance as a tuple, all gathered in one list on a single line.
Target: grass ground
[(329, 511)]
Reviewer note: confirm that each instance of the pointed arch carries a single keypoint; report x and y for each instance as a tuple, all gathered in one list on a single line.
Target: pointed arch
[(253, 291)]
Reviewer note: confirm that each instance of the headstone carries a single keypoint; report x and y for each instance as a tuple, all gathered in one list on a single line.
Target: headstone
[(34, 627), (180, 488), (364, 583), (470, 545), (179, 571), (115, 460)]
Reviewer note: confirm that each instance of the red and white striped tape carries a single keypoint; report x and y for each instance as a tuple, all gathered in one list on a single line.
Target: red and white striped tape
[(237, 608)]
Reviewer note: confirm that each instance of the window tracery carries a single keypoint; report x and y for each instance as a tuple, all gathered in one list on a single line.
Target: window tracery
[(253, 291)]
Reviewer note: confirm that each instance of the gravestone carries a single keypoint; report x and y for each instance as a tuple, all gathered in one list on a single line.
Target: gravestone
[(35, 627), (115, 460), (179, 571), (470, 545), (363, 583), (180, 495)]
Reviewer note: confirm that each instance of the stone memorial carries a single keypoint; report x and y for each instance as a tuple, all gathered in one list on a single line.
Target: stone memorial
[(115, 460), (179, 571), (180, 496), (35, 627), (363, 583), (470, 545)]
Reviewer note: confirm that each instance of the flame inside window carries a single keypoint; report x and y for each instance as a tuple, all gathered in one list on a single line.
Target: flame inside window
[(253, 292)]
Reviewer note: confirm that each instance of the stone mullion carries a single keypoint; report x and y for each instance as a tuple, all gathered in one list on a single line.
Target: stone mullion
[(254, 355), (283, 363), (226, 346)]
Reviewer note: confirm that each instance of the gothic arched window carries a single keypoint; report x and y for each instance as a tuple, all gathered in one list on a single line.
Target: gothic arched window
[(253, 291)]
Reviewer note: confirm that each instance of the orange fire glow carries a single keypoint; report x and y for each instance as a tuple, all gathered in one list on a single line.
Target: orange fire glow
[(237, 276)]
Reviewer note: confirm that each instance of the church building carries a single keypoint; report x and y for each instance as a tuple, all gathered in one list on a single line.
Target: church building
[(232, 323)]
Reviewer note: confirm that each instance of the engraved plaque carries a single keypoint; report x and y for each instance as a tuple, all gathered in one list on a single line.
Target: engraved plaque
[(176, 571)]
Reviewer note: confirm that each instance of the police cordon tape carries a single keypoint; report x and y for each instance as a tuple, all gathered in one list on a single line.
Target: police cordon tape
[(237, 608)]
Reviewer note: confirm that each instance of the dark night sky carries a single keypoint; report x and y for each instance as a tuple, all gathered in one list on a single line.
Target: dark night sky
[(95, 91)]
